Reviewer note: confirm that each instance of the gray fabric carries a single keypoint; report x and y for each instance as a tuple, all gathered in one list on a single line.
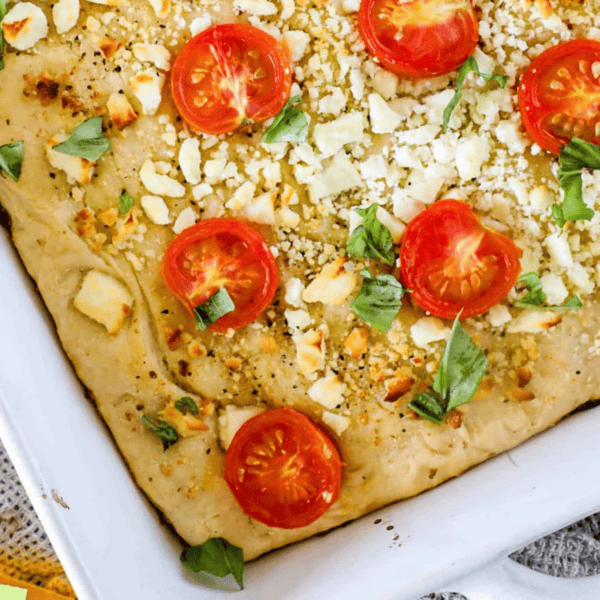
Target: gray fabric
[(571, 552)]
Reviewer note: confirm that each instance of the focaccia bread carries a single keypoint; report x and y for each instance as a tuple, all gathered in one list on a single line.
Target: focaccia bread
[(373, 138)]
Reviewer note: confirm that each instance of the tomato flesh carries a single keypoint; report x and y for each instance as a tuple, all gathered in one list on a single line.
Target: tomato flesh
[(419, 38), (452, 263), (283, 470), (559, 95), (230, 74), (221, 253)]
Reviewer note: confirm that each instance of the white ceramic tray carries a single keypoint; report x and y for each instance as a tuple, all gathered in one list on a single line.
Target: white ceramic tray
[(114, 546)]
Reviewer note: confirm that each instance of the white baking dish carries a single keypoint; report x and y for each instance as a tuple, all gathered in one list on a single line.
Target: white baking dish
[(113, 545)]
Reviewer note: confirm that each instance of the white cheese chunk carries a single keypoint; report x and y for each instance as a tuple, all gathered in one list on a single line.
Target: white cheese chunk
[(471, 152), (120, 111), (185, 219), (297, 42), (77, 169), (310, 351), (554, 288), (156, 54), (201, 191), (65, 14), (327, 391), (578, 276), (189, 160), (427, 330), (332, 285), (287, 218), (333, 103), (383, 118), (260, 209), (333, 136), (338, 423), (200, 24), (498, 315), (533, 321), (161, 7), (293, 292), (147, 87), (104, 299), (395, 226), (24, 25), (338, 177), (258, 8), (559, 250), (156, 209), (111, 2), (297, 320), (232, 418), (160, 185), (288, 9), (406, 208)]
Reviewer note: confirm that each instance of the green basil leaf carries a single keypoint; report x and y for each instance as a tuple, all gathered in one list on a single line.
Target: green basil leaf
[(165, 432), (428, 406), (372, 239), (461, 370), (379, 300), (125, 203), (3, 12), (185, 405), (536, 297), (469, 66), (87, 141), (213, 309), (574, 157), (1, 59), (11, 159), (290, 125), (217, 557)]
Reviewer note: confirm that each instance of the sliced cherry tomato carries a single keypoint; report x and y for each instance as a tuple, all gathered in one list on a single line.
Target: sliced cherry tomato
[(218, 253), (419, 38), (230, 74), (559, 95), (283, 470), (452, 262)]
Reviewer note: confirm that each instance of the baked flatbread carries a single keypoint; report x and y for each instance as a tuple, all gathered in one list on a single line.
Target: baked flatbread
[(140, 351)]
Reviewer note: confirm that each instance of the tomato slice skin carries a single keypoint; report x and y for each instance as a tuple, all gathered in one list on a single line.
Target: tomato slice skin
[(419, 38), (219, 253), (283, 470), (229, 74), (559, 95), (452, 262)]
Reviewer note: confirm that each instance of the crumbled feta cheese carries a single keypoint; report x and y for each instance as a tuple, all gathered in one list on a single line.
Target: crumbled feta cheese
[(338, 177), (259, 8), (260, 209), (201, 191), (77, 168), (297, 42), (395, 226), (498, 315), (333, 136), (104, 299), (185, 219), (332, 285), (120, 111), (288, 9), (65, 14), (161, 7), (383, 118), (333, 103), (297, 320), (578, 276), (200, 24), (310, 351), (554, 288), (161, 185), (509, 133), (558, 248), (338, 423), (156, 54), (533, 321), (427, 330), (472, 151), (327, 391), (156, 209), (241, 196), (287, 218), (189, 160), (110, 2), (24, 25), (293, 292), (406, 208), (147, 88), (232, 418)]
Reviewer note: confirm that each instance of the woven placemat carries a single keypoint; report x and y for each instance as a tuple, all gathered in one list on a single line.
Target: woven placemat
[(26, 552)]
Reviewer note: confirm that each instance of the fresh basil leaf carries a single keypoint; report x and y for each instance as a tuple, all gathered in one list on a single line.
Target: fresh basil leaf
[(469, 66), (167, 434), (536, 297), (87, 141), (290, 125), (428, 406), (11, 159), (125, 203), (3, 12), (379, 300), (1, 60), (574, 157), (461, 369), (217, 557), (186, 405), (372, 239), (213, 309)]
